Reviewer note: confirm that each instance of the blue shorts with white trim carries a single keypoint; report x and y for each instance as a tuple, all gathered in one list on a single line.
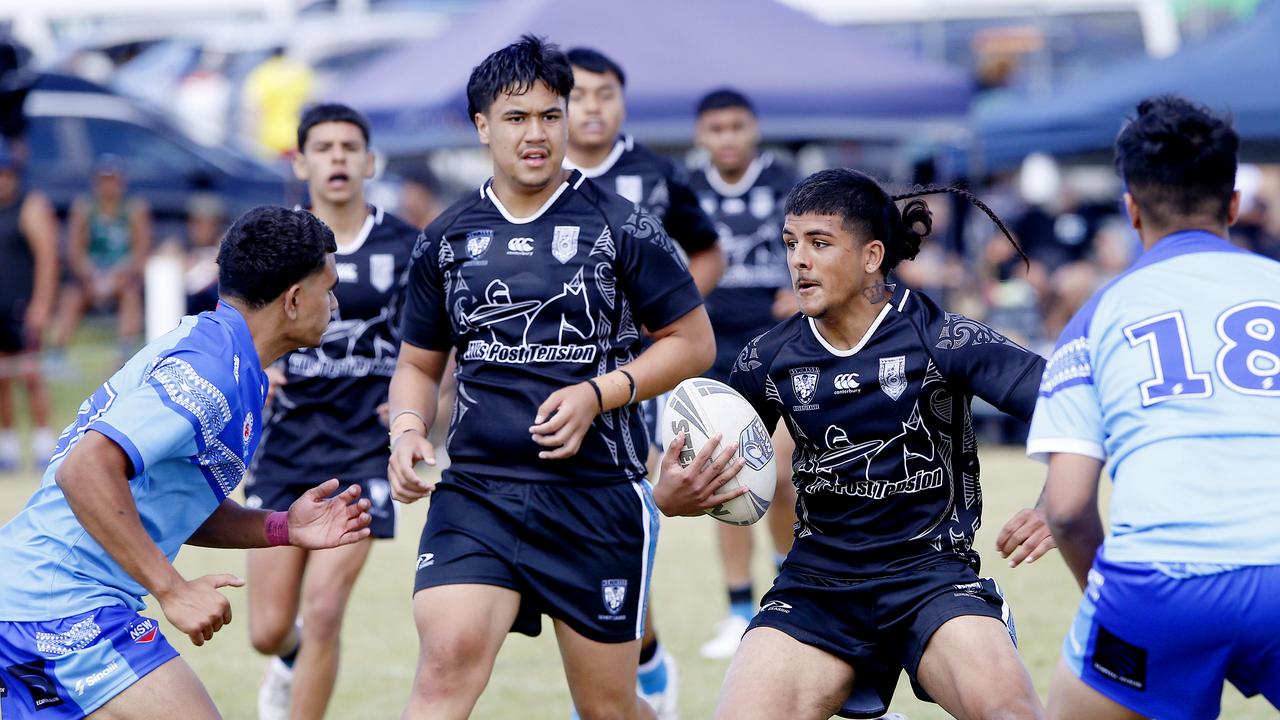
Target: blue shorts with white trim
[(1162, 643), (581, 554), (66, 669)]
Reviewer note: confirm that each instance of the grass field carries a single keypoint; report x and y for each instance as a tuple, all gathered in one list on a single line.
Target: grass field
[(379, 642)]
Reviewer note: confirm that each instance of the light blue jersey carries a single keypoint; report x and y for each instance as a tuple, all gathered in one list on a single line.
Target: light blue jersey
[(187, 411), (1172, 374)]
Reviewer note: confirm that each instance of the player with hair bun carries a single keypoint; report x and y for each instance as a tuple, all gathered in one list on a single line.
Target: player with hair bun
[(874, 382)]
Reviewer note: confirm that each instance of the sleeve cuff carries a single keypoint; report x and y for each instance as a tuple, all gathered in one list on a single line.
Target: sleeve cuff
[(119, 438), (1040, 449)]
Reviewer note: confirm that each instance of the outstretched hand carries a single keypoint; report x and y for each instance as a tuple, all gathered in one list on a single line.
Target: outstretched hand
[(1025, 537), (694, 489), (318, 521)]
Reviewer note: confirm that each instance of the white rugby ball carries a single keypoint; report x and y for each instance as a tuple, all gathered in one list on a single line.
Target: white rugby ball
[(700, 408)]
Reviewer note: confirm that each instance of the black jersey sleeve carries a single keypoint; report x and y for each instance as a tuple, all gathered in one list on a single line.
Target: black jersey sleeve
[(425, 317), (651, 274), (750, 377), (685, 222), (980, 359)]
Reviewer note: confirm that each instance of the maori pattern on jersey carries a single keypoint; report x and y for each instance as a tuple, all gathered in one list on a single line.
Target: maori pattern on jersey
[(959, 331), (644, 226)]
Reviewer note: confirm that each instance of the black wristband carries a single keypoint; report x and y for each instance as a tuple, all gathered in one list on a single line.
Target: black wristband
[(599, 395), (631, 381)]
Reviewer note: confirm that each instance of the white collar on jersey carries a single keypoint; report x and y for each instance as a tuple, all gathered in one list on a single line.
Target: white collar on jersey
[(623, 144), (744, 184), (866, 337), (371, 221), (486, 190)]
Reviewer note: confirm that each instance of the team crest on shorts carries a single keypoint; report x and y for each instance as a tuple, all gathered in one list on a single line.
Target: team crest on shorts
[(144, 631), (564, 244), (614, 593), (478, 242), (804, 382), (893, 376)]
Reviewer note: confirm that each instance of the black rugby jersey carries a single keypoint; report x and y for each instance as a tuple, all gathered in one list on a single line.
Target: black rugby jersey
[(886, 463), (325, 421), (535, 304), (658, 185), (748, 216)]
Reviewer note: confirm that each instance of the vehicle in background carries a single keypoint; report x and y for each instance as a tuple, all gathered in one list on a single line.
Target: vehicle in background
[(72, 122)]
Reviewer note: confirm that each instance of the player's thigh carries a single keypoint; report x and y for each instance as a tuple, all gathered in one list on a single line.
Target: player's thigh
[(275, 585), (773, 675), (600, 674), (971, 668), (461, 627), (329, 578), (1071, 699), (170, 691)]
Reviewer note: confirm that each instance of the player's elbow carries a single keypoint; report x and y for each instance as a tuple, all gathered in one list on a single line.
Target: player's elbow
[(1070, 523)]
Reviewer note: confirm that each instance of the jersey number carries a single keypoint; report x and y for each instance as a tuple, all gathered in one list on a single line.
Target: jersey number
[(1248, 361)]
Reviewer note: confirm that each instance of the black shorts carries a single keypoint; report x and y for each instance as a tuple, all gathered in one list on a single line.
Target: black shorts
[(271, 495), (880, 626), (13, 327), (581, 554)]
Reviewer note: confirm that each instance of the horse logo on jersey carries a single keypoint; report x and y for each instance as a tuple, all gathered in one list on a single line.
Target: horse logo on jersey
[(614, 593), (560, 329), (564, 244), (382, 270), (893, 375), (478, 242), (804, 382)]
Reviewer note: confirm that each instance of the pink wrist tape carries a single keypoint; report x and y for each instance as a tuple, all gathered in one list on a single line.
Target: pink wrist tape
[(278, 528)]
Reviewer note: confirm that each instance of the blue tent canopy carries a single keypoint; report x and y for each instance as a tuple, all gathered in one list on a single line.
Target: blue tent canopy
[(807, 79), (1237, 71)]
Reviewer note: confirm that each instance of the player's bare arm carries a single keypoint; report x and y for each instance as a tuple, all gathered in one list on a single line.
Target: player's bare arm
[(706, 266), (1071, 504), (317, 520), (412, 397), (95, 480), (681, 349)]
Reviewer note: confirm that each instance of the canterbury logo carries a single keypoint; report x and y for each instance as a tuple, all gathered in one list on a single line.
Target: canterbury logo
[(847, 382), (520, 246)]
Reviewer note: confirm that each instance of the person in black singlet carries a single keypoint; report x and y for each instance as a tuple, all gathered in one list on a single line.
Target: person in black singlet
[(28, 285)]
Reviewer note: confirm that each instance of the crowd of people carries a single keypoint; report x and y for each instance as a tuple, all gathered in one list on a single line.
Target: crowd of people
[(540, 319)]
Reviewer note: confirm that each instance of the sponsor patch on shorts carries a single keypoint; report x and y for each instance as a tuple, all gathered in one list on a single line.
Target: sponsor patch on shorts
[(1119, 660)]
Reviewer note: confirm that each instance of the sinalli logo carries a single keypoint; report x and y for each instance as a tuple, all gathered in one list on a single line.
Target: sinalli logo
[(86, 683), (520, 246)]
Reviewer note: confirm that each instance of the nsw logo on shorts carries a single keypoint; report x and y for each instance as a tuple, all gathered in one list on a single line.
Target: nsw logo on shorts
[(614, 593), (144, 631)]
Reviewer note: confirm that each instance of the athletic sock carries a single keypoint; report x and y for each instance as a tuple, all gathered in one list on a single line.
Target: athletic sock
[(41, 446), (289, 657), (653, 671), (741, 603), (648, 650), (8, 447)]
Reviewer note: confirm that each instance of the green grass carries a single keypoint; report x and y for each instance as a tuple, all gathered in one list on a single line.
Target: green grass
[(380, 645)]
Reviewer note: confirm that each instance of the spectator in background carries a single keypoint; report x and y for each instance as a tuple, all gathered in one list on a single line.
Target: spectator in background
[(202, 101), (28, 283), (206, 221), (16, 80), (420, 197), (274, 94), (108, 240)]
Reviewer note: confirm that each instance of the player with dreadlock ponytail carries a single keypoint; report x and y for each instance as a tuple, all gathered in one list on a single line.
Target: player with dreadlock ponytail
[(874, 382)]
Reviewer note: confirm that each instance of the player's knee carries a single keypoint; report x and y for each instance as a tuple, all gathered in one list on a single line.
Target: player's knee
[(267, 635), (607, 706), (452, 660), (322, 617), (1011, 708)]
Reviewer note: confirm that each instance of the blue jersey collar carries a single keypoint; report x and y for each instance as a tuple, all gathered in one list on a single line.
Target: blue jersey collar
[(240, 331), (1183, 242)]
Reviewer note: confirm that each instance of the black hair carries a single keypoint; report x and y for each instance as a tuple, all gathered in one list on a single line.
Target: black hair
[(593, 60), (268, 249), (870, 212), (722, 98), (330, 112), (1178, 160), (515, 69)]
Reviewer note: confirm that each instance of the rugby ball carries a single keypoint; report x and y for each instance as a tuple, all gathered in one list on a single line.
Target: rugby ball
[(700, 408)]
